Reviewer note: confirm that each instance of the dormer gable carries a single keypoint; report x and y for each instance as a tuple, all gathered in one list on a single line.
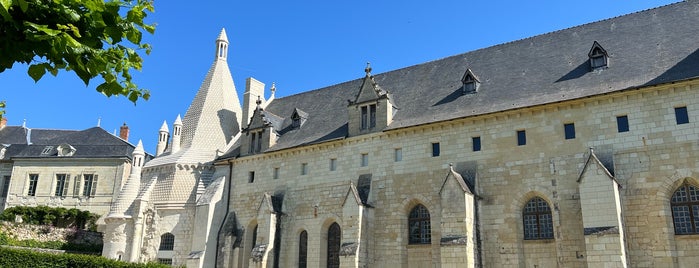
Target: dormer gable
[(372, 108), (298, 118), (470, 82), (262, 132), (65, 149), (598, 57)]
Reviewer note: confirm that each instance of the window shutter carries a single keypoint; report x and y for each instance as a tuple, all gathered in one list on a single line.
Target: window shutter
[(94, 185), (76, 187), (66, 185)]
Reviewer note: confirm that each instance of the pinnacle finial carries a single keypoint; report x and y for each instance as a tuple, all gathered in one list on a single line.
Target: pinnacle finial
[(273, 88), (367, 70), (222, 36)]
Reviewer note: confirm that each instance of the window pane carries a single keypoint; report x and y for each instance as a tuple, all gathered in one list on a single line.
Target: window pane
[(435, 149), (476, 141), (681, 115), (521, 137), (622, 123), (569, 131)]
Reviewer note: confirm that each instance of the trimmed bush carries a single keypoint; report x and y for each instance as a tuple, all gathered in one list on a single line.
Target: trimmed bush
[(59, 217), (26, 258)]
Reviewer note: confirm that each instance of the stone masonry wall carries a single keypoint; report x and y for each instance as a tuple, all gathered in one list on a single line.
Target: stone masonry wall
[(650, 161)]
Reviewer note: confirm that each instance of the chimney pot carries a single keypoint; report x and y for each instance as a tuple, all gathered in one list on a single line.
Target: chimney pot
[(124, 132), (3, 122)]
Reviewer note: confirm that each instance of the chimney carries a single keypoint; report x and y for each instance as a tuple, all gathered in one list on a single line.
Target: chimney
[(124, 132), (253, 90), (3, 122)]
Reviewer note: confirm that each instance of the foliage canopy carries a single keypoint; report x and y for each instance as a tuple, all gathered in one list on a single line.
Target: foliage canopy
[(89, 37)]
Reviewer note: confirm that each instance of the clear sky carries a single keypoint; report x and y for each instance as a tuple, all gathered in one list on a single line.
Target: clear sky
[(300, 45)]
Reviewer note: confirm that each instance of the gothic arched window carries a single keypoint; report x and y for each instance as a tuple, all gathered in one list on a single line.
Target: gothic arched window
[(419, 228), (334, 237), (538, 223), (685, 209), (167, 241), (303, 249)]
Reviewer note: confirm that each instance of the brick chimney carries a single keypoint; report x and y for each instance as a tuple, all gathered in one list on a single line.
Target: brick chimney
[(124, 132), (3, 122)]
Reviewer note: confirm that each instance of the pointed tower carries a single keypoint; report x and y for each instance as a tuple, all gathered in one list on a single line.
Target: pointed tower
[(214, 116), (176, 134), (120, 212), (163, 136)]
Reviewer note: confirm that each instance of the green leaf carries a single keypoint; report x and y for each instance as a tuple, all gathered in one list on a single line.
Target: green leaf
[(23, 5), (43, 28), (134, 35), (4, 9), (36, 71)]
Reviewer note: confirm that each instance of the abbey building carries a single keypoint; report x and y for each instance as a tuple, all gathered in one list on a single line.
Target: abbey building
[(576, 148)]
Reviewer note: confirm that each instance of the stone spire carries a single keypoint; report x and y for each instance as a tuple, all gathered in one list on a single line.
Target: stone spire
[(176, 134), (214, 116), (222, 46), (163, 136), (130, 190)]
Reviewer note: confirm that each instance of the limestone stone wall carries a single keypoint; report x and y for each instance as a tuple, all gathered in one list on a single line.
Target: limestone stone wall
[(111, 176), (650, 161)]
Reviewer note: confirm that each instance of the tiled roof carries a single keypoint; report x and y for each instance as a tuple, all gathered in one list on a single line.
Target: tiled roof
[(89, 143), (646, 48)]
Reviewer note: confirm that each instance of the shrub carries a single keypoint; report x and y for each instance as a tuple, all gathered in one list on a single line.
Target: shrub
[(59, 217), (26, 258)]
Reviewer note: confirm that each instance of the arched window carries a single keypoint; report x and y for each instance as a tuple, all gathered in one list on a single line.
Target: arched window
[(303, 249), (685, 209), (538, 223), (420, 230), (334, 237), (167, 241), (254, 237)]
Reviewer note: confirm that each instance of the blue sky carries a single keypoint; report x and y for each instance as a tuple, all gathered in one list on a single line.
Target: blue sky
[(299, 45)]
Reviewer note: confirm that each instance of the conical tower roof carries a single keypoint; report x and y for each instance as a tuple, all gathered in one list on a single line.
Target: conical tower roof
[(212, 117)]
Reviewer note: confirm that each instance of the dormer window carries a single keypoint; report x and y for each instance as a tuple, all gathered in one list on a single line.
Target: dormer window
[(298, 117), (470, 82), (47, 150), (65, 150), (296, 122), (598, 57), (368, 117), (255, 142)]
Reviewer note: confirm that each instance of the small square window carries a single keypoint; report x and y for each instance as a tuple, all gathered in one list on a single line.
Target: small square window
[(251, 177), (569, 131), (476, 142), (435, 149), (304, 168), (622, 123), (333, 164), (398, 154), (681, 115), (521, 137), (365, 160), (275, 175)]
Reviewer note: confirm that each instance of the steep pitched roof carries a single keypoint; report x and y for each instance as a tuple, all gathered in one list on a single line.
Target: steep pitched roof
[(93, 142), (647, 48), (212, 117)]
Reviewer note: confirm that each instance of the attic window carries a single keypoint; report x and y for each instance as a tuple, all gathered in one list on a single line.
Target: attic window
[(470, 81), (47, 150), (65, 150), (598, 57), (298, 117)]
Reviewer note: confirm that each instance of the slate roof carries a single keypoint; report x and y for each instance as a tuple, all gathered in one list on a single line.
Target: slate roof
[(89, 143), (650, 47)]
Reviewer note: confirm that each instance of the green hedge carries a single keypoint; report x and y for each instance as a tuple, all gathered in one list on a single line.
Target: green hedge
[(56, 216), (26, 258), (31, 243)]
